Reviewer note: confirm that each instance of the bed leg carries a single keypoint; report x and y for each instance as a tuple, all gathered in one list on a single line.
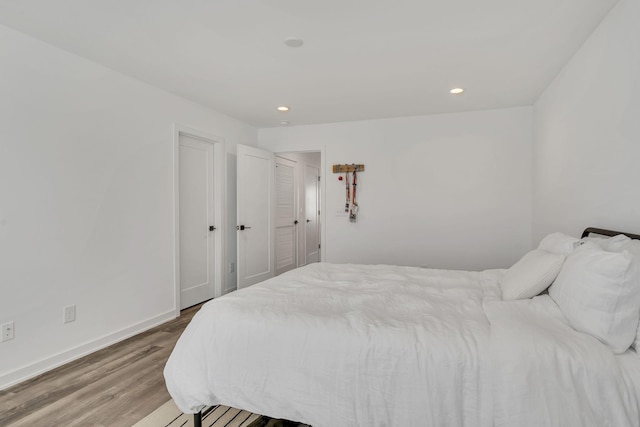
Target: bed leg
[(197, 419)]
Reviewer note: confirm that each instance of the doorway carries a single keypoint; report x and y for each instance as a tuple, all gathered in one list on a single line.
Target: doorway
[(259, 257), (297, 239)]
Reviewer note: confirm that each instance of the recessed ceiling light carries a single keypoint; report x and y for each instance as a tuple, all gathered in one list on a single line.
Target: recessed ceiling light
[(456, 90), (284, 122), (293, 42), (283, 108)]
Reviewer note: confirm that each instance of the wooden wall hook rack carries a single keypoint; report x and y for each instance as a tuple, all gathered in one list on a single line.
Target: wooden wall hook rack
[(348, 168)]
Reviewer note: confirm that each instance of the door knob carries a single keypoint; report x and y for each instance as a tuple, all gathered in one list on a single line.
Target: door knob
[(308, 220), (242, 227), (295, 222), (212, 228)]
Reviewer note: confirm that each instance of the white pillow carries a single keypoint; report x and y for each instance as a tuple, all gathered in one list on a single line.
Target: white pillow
[(611, 244), (531, 275), (598, 293), (615, 243), (636, 342), (633, 247), (559, 243)]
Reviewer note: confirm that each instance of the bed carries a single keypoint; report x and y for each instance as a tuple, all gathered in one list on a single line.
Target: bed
[(382, 345)]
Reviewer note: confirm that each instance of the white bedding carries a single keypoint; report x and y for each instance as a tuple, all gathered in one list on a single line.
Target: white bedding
[(545, 373), (355, 345), (344, 345)]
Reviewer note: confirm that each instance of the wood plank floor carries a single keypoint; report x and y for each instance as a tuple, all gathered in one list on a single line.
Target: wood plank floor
[(113, 387)]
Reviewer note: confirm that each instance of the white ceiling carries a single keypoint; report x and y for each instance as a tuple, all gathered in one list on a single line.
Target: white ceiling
[(361, 59)]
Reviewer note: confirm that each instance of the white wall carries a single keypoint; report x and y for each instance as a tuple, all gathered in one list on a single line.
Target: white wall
[(447, 191), (587, 134), (86, 201)]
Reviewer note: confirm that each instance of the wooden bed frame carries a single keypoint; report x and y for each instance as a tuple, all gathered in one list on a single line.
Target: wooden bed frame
[(197, 418)]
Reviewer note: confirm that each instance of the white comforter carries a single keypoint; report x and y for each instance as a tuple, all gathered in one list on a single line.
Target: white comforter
[(344, 345), (547, 374), (354, 345)]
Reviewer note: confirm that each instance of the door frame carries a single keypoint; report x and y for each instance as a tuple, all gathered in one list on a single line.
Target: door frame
[(323, 192), (219, 196)]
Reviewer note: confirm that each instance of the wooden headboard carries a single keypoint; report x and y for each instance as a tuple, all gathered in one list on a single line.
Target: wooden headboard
[(610, 233)]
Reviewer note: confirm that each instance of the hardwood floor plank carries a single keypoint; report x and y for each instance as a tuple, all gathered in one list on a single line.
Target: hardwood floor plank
[(113, 387), (55, 389)]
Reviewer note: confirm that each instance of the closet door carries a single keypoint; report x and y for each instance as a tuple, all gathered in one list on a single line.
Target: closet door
[(286, 215), (312, 223)]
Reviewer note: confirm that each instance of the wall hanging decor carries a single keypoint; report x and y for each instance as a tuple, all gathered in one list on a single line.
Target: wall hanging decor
[(348, 168), (351, 204)]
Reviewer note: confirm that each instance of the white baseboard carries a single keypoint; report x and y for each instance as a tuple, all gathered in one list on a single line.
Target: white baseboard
[(34, 369)]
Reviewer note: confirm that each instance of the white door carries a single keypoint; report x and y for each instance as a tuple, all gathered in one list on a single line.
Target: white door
[(312, 223), (255, 221), (196, 216), (286, 215)]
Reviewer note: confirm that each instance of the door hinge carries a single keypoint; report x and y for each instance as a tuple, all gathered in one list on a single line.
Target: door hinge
[(318, 245), (318, 178)]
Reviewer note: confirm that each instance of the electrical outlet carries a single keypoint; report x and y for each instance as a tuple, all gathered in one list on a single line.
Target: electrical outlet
[(8, 331), (69, 314)]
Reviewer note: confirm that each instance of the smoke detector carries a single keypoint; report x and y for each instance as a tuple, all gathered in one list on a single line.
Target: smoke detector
[(293, 42)]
